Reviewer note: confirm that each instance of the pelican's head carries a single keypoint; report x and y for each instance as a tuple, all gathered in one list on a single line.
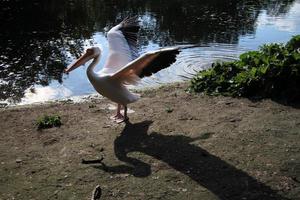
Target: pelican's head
[(89, 54)]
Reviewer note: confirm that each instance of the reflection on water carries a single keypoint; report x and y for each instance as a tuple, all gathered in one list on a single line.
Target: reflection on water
[(39, 38), (41, 94)]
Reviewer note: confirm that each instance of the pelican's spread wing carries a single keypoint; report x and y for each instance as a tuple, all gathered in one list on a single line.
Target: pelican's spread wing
[(146, 65), (122, 42), (130, 28)]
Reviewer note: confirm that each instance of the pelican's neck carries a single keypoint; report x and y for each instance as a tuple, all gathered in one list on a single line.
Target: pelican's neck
[(90, 70)]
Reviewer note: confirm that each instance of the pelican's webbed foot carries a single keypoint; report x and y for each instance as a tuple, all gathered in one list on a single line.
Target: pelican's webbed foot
[(119, 118)]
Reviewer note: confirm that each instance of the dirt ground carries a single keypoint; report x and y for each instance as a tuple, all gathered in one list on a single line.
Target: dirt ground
[(176, 146)]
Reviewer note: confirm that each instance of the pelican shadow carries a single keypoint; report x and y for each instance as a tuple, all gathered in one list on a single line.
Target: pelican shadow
[(209, 171)]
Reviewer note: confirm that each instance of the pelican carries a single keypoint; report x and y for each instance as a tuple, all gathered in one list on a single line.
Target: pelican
[(123, 66)]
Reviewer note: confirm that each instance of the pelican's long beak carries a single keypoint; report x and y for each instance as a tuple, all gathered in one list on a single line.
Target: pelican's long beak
[(80, 61)]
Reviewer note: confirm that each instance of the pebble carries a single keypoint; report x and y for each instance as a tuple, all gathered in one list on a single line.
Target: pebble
[(18, 160)]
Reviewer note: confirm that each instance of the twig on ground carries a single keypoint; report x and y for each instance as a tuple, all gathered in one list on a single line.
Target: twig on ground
[(96, 193)]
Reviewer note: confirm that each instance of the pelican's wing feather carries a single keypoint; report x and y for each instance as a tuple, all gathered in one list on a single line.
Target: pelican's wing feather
[(122, 43), (146, 65), (130, 28)]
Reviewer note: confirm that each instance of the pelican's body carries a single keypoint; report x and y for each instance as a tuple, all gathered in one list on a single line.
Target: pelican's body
[(123, 66), (102, 81), (113, 90)]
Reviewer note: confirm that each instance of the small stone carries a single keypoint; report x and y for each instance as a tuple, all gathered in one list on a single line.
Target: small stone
[(235, 120), (92, 145), (18, 160)]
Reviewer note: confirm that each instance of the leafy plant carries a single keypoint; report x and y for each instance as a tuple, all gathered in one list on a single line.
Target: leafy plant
[(48, 121), (273, 71), (169, 110)]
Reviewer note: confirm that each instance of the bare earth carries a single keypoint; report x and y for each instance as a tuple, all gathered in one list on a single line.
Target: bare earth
[(176, 146)]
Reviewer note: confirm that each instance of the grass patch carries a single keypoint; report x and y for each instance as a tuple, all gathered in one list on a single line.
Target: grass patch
[(169, 110), (48, 121), (271, 72)]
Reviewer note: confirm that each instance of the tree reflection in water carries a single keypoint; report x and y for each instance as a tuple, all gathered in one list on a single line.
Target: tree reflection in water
[(38, 38)]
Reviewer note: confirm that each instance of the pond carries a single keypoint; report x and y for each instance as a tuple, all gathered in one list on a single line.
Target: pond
[(38, 39)]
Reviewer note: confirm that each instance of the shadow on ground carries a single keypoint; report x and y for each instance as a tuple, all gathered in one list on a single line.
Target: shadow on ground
[(209, 171)]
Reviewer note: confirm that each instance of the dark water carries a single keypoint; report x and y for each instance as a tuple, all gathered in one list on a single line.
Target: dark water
[(38, 39)]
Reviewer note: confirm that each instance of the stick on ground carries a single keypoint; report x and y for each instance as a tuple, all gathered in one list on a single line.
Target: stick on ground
[(96, 193)]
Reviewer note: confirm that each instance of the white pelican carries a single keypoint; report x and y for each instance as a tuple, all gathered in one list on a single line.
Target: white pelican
[(123, 66)]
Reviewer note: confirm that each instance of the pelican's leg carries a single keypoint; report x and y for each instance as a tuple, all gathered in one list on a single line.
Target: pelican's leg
[(121, 118), (125, 113), (119, 110), (118, 115)]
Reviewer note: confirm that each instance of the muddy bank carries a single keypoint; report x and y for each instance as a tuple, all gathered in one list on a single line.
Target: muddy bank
[(176, 146)]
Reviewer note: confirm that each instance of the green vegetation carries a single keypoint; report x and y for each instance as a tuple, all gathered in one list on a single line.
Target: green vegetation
[(271, 72), (48, 121), (169, 110)]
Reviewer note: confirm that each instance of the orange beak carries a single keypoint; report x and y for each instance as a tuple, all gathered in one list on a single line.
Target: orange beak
[(80, 61)]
